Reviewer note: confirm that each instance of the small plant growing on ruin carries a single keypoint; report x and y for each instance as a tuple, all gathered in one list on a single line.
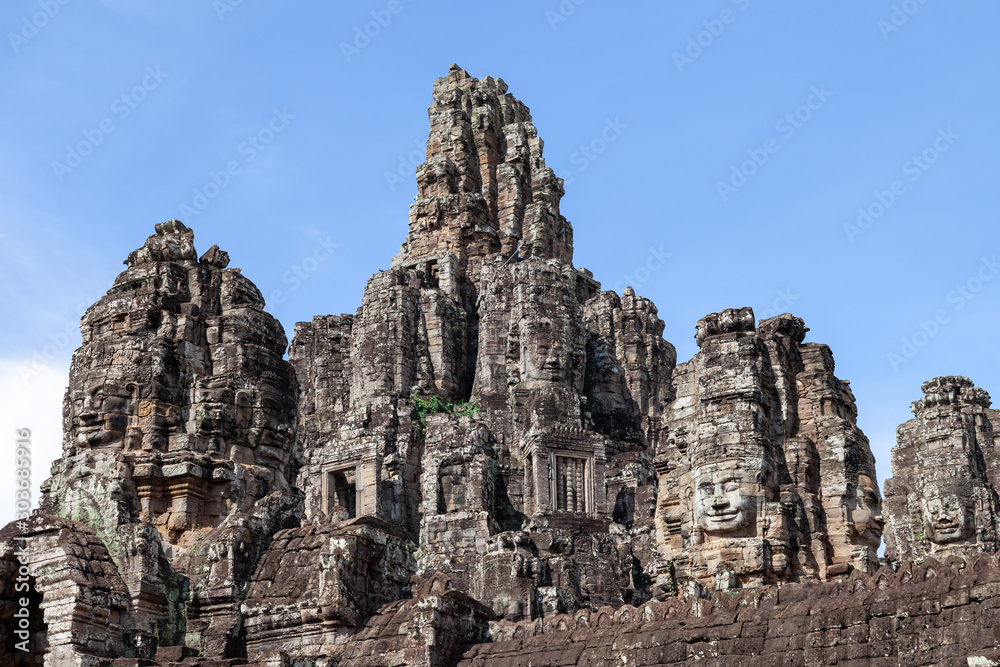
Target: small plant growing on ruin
[(425, 406), (464, 408)]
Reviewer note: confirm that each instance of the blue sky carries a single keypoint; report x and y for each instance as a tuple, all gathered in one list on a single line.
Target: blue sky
[(716, 155)]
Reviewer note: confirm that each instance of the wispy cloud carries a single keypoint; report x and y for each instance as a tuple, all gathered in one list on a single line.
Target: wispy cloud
[(35, 405)]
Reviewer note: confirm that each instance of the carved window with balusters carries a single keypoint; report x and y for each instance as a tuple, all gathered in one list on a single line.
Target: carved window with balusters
[(572, 483)]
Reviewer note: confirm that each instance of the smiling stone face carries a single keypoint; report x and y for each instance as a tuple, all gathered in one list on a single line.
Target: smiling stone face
[(100, 408), (948, 516), (87, 413), (544, 352), (724, 500), (864, 504)]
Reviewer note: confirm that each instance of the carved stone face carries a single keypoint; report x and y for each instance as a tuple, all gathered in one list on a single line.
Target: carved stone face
[(98, 419), (948, 516), (864, 506), (543, 355), (452, 488), (724, 500), (553, 363)]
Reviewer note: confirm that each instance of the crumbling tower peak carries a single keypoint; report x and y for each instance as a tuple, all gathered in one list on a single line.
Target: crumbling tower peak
[(484, 189), (953, 390)]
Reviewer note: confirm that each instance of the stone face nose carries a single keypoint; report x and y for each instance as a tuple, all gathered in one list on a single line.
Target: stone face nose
[(89, 411), (719, 502)]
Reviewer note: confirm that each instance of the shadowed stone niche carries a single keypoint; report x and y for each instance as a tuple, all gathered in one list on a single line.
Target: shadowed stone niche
[(459, 488), (941, 500), (764, 474)]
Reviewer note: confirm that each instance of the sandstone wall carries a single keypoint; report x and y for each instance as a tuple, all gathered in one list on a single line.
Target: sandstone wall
[(933, 614), (179, 430), (79, 607), (562, 386)]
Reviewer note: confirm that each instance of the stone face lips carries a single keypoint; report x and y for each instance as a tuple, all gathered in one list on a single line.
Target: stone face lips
[(764, 475), (941, 499)]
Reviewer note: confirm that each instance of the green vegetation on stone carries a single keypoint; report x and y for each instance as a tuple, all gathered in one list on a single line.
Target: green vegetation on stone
[(425, 406)]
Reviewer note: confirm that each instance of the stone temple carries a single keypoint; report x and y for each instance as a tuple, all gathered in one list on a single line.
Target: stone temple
[(942, 499), (493, 461)]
